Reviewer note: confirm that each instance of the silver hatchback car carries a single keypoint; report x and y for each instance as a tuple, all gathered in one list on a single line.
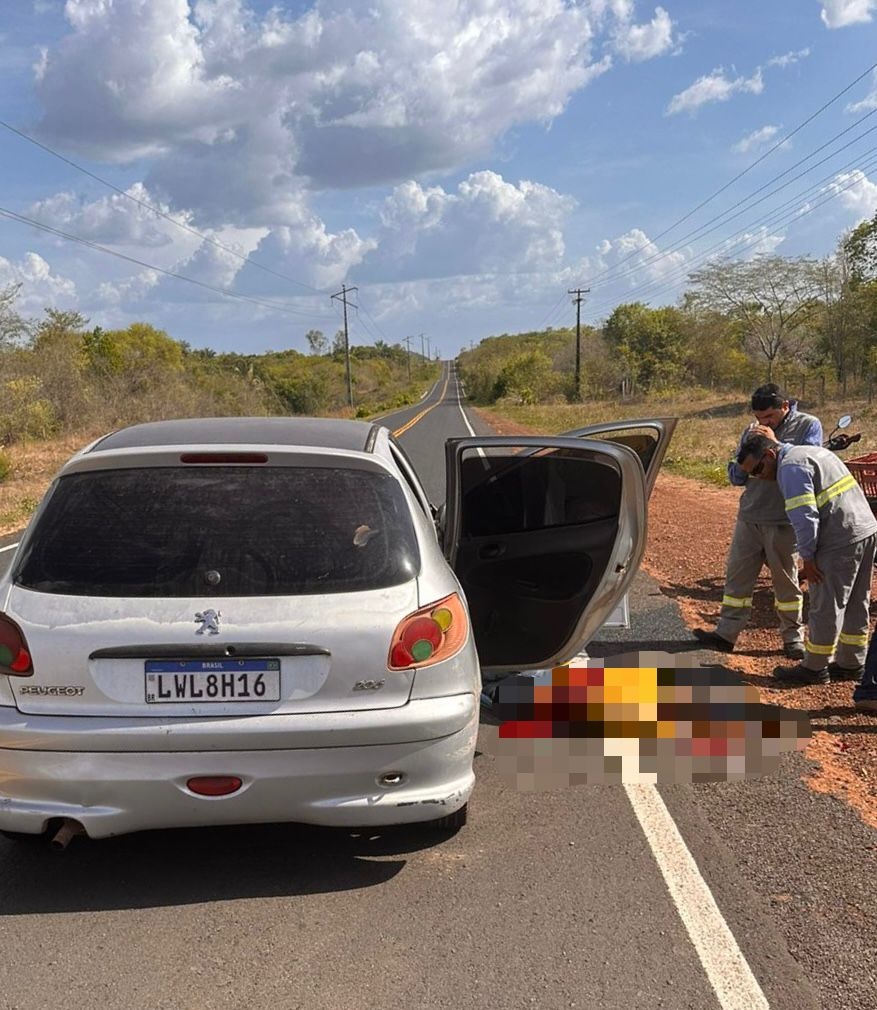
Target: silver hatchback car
[(243, 620)]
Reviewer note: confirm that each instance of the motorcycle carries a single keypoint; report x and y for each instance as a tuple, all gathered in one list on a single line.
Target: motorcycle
[(837, 441)]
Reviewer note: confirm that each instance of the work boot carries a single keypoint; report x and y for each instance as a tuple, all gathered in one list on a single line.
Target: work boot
[(793, 650), (845, 672), (800, 676), (866, 705), (711, 640)]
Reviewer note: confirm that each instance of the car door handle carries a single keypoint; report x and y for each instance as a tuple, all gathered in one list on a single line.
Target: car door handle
[(491, 551)]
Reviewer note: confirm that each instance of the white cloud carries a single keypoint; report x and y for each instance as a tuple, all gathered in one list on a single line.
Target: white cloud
[(645, 41), (344, 94), (856, 193), (757, 139), (643, 261), (40, 287), (788, 59), (869, 102), (115, 219), (487, 226), (240, 109), (840, 13), (713, 87)]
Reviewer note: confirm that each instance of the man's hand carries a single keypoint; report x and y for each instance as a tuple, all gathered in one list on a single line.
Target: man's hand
[(809, 571), (764, 429)]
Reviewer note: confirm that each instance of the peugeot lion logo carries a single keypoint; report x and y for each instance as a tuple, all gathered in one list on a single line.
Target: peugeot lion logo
[(209, 621)]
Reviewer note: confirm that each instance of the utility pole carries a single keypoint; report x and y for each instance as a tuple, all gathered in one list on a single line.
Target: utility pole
[(408, 355), (342, 295), (428, 351), (422, 348), (578, 292)]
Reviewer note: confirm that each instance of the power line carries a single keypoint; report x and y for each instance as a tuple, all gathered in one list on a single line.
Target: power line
[(766, 154), (704, 229), (276, 306), (157, 210), (814, 188), (552, 311), (785, 218)]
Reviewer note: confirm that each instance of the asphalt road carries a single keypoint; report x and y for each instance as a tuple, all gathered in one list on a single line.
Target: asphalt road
[(552, 899)]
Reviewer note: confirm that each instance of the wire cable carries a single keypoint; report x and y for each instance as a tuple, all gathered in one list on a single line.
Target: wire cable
[(146, 205), (786, 218), (727, 185), (276, 306), (814, 189)]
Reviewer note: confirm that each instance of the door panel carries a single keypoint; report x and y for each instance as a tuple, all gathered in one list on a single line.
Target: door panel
[(544, 535)]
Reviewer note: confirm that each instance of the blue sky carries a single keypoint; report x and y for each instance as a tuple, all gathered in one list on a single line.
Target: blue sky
[(462, 162)]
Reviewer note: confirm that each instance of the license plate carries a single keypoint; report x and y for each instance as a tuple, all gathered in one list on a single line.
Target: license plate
[(170, 681)]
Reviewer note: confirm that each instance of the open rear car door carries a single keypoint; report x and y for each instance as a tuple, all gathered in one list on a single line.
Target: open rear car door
[(545, 535)]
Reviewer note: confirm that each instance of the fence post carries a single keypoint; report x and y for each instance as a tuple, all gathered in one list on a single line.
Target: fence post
[(845, 385), (803, 384), (821, 390)]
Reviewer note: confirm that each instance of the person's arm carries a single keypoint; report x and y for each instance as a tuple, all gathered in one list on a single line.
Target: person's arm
[(813, 435), (736, 474), (796, 484)]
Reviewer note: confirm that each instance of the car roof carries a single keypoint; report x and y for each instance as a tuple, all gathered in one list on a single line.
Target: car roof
[(332, 433)]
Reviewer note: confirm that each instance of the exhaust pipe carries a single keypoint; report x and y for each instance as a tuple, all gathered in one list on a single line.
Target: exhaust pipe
[(66, 833)]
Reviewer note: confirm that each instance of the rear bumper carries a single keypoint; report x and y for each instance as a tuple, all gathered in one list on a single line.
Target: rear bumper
[(417, 720), (117, 792)]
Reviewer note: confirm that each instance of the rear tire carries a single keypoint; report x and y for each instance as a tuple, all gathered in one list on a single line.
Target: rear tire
[(450, 822)]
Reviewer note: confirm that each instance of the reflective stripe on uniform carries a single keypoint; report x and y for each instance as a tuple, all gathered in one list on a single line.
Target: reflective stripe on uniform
[(802, 499), (819, 650), (736, 601), (833, 490), (790, 605), (861, 640)]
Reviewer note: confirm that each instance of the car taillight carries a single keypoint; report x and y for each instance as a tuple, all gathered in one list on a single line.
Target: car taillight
[(14, 656), (429, 635)]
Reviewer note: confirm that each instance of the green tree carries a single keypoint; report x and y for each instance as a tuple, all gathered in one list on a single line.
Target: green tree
[(774, 297), (12, 326), (651, 342), (860, 249)]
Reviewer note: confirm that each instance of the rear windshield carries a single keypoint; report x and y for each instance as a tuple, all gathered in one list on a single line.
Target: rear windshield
[(221, 531)]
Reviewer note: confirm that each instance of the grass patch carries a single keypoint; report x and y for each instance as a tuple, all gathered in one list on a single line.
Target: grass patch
[(707, 473), (710, 425), (19, 513)]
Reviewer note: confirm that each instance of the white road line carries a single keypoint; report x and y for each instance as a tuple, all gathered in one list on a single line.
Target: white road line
[(735, 986), (11, 547), (480, 452)]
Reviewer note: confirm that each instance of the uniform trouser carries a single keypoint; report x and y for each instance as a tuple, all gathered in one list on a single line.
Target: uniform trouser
[(838, 619), (752, 546)]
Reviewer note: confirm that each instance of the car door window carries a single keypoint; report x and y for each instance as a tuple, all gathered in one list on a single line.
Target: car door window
[(647, 437)]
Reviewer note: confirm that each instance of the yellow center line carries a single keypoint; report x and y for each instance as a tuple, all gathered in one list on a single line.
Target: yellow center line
[(426, 410)]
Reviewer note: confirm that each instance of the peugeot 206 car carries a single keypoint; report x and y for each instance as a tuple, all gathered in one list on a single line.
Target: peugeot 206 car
[(243, 620)]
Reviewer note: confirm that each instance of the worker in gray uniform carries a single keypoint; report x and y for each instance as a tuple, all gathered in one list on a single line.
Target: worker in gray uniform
[(836, 533), (763, 533)]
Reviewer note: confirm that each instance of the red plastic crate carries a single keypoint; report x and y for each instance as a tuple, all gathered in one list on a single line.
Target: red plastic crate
[(864, 469)]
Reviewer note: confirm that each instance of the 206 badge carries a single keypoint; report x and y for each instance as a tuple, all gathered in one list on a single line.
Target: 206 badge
[(209, 621)]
